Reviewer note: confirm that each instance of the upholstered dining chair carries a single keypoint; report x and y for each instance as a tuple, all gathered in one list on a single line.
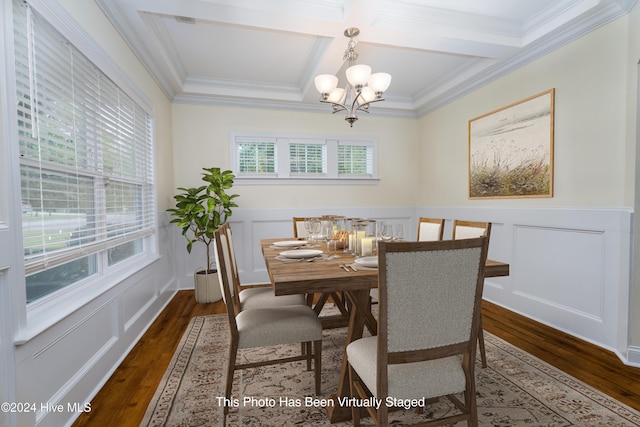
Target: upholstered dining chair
[(254, 297), (467, 230), (267, 326), (430, 229), (429, 309)]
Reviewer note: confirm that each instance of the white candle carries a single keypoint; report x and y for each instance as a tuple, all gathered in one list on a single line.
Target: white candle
[(367, 246)]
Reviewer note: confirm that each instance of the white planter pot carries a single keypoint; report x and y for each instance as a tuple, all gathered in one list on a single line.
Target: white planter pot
[(207, 286)]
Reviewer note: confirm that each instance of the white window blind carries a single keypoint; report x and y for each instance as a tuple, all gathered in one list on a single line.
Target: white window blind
[(86, 156)]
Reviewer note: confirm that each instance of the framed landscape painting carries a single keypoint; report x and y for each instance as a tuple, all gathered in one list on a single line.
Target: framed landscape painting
[(511, 150)]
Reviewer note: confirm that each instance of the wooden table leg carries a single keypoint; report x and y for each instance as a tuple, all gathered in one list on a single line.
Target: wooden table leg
[(360, 300)]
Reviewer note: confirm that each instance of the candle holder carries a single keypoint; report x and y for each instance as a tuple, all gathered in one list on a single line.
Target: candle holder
[(363, 237)]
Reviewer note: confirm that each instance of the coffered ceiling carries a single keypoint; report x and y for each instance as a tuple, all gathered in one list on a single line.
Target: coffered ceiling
[(266, 53)]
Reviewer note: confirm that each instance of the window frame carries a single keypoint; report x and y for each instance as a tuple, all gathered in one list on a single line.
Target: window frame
[(32, 318), (282, 174)]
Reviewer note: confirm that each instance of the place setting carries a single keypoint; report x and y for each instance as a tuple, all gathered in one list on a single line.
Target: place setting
[(290, 244), (297, 255)]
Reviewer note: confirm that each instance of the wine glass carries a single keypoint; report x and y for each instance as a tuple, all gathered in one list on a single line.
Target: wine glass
[(385, 231), (308, 227), (316, 228), (398, 231), (335, 234)]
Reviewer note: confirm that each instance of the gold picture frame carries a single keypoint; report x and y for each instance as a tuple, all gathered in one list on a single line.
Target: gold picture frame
[(511, 150)]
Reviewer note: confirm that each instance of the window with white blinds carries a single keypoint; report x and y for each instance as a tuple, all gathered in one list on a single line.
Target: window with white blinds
[(86, 161), (293, 157)]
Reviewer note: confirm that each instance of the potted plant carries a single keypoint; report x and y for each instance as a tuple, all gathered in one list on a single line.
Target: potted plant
[(200, 211)]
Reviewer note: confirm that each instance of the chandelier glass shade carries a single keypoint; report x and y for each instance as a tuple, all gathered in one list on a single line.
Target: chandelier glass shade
[(363, 88)]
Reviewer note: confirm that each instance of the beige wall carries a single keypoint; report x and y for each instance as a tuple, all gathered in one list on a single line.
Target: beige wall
[(595, 78), (94, 22), (589, 76), (202, 139)]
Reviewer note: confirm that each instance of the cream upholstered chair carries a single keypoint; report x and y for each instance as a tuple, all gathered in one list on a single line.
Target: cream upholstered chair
[(430, 295), (430, 229), (466, 230), (268, 326), (255, 297)]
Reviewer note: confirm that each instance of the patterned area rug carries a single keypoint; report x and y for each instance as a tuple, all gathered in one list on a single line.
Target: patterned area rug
[(516, 389)]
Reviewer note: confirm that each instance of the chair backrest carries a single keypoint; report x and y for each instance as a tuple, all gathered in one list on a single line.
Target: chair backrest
[(470, 229), (299, 230), (226, 228), (225, 276), (298, 227), (430, 229), (429, 299)]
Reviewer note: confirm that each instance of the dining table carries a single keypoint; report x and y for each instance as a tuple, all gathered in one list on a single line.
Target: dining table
[(325, 274)]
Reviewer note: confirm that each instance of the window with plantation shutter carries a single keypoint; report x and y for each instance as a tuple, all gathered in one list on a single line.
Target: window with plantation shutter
[(256, 156), (86, 161), (260, 158), (355, 159), (308, 158)]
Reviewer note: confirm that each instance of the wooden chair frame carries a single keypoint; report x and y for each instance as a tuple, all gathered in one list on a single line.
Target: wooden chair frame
[(232, 303), (487, 233)]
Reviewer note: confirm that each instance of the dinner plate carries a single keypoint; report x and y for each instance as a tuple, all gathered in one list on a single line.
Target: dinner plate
[(290, 243), (301, 253), (368, 261)]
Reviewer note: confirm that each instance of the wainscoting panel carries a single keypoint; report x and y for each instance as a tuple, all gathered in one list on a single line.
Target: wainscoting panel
[(137, 298), (578, 256), (570, 268), (68, 363), (54, 358)]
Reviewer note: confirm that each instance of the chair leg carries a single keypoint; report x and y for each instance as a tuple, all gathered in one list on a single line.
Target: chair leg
[(483, 354), (355, 412), (317, 350), (309, 354), (383, 416), (231, 367)]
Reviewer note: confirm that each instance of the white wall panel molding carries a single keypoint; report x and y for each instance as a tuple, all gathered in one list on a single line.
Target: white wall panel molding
[(69, 362), (7, 361), (570, 267)]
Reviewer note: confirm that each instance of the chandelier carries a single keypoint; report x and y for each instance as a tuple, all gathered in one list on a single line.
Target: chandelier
[(363, 88)]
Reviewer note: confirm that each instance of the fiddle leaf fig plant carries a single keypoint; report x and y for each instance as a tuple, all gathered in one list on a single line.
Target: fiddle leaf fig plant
[(200, 211)]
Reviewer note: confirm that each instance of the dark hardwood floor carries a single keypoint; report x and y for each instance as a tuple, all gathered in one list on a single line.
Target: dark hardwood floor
[(123, 400)]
